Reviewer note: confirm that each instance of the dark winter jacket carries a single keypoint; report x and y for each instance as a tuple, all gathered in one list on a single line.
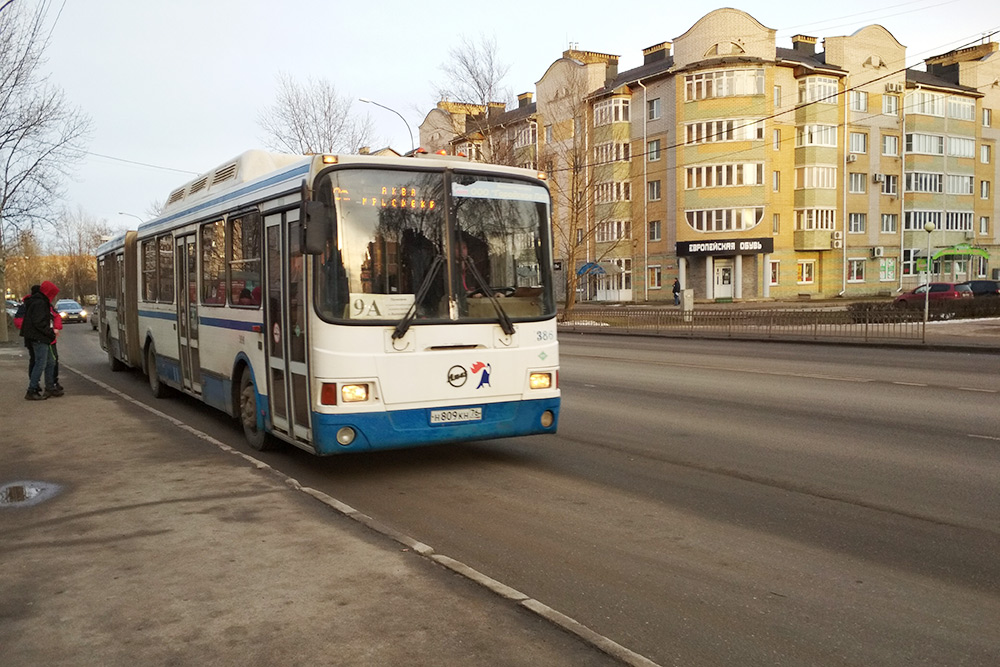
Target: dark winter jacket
[(37, 324)]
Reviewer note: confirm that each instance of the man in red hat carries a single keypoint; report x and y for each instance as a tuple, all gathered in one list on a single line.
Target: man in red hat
[(38, 332)]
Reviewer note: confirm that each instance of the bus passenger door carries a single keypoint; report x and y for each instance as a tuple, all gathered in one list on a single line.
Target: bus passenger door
[(187, 312), (121, 308), (286, 329)]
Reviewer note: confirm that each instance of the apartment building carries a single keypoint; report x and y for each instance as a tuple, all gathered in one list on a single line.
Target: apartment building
[(753, 171)]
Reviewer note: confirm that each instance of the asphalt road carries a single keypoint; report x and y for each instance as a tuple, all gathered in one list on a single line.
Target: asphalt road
[(713, 502)]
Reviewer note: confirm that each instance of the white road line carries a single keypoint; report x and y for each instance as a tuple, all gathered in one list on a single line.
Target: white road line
[(984, 391), (982, 437)]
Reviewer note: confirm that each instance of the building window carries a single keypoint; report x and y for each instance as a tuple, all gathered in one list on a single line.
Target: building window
[(925, 103), (613, 191), (890, 223), (915, 220), (984, 153), (774, 272), (655, 277), (961, 147), (776, 224), (612, 230), (777, 96), (960, 185), (725, 219), (613, 152), (886, 269), (987, 117), (653, 191), (731, 129), (890, 144), (890, 105), (855, 270), (815, 218), (962, 108), (859, 142), (910, 261), (653, 150), (777, 140), (958, 221), (821, 89), (984, 189), (776, 181), (984, 225), (723, 175), (548, 134), (653, 109), (857, 183), (723, 83), (824, 178), (816, 135), (925, 144), (526, 135), (611, 111), (890, 184), (919, 181), (806, 272), (654, 230), (859, 100), (858, 222)]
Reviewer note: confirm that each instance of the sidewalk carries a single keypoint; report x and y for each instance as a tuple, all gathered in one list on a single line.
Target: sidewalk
[(160, 547)]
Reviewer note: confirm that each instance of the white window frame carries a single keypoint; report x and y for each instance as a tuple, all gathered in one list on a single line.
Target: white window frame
[(653, 190), (858, 142), (890, 184), (857, 183), (890, 145), (655, 229), (856, 269), (890, 223), (774, 271), (890, 105), (805, 272), (859, 100), (653, 150), (653, 109), (857, 223), (886, 269)]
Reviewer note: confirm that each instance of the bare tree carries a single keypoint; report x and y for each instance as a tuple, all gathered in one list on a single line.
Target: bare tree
[(41, 135), (77, 237), (474, 75), (313, 118)]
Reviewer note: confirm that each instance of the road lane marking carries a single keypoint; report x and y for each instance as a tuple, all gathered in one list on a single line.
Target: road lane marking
[(983, 437)]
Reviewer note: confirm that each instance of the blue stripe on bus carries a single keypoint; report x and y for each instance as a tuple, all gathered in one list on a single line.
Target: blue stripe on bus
[(408, 428), (223, 323), (159, 314)]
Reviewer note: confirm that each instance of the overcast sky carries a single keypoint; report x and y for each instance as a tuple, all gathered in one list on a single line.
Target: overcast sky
[(174, 87)]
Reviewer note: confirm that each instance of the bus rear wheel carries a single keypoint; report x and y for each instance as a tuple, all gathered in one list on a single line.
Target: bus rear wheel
[(155, 384), (257, 438)]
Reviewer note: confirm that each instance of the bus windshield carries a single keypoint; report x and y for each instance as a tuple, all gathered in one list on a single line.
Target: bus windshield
[(398, 250)]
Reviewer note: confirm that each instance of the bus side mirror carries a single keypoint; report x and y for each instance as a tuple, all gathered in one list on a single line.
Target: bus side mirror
[(315, 217)]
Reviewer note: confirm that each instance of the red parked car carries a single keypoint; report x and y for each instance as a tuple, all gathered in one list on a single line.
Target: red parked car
[(939, 292)]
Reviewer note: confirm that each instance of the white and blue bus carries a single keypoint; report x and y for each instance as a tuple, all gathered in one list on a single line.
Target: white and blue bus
[(345, 302)]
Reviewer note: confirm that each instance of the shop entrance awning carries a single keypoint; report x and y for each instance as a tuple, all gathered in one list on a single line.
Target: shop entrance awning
[(962, 249), (599, 269)]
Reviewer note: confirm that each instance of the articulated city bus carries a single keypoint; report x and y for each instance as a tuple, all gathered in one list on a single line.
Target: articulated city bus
[(345, 302)]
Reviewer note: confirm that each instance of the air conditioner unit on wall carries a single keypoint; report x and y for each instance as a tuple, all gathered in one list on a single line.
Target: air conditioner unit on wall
[(970, 234), (836, 243), (838, 235), (879, 178), (852, 158), (893, 87), (878, 251)]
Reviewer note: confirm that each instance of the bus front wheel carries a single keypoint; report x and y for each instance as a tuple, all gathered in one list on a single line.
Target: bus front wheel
[(257, 438)]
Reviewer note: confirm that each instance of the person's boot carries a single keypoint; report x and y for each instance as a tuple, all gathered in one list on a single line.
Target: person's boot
[(54, 391), (35, 395)]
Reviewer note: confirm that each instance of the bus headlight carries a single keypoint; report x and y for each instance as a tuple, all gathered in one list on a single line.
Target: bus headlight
[(354, 393), (540, 380)]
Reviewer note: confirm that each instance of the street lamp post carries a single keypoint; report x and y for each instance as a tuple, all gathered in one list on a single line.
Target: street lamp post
[(929, 228), (132, 215), (413, 146)]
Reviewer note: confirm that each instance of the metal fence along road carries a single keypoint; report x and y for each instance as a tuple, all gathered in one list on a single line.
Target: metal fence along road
[(797, 324)]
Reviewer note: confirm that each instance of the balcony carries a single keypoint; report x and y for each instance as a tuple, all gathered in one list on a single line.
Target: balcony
[(813, 239)]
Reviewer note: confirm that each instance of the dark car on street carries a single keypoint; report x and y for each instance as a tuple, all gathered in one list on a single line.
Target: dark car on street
[(71, 311), (939, 292), (984, 287)]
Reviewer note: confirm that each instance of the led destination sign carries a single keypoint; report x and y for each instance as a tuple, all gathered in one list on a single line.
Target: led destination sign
[(389, 197), (725, 247)]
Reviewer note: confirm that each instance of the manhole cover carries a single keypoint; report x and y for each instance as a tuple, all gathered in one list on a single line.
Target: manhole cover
[(25, 494)]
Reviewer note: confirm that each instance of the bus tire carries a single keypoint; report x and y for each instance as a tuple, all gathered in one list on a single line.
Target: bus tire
[(115, 364), (257, 438), (155, 384)]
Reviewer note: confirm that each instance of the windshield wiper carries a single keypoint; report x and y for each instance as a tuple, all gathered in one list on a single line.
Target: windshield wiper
[(505, 323), (425, 285)]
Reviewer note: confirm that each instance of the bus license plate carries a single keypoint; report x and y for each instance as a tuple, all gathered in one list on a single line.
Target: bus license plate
[(458, 415)]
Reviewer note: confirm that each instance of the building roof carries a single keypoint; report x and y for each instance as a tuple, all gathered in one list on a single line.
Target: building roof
[(917, 77)]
